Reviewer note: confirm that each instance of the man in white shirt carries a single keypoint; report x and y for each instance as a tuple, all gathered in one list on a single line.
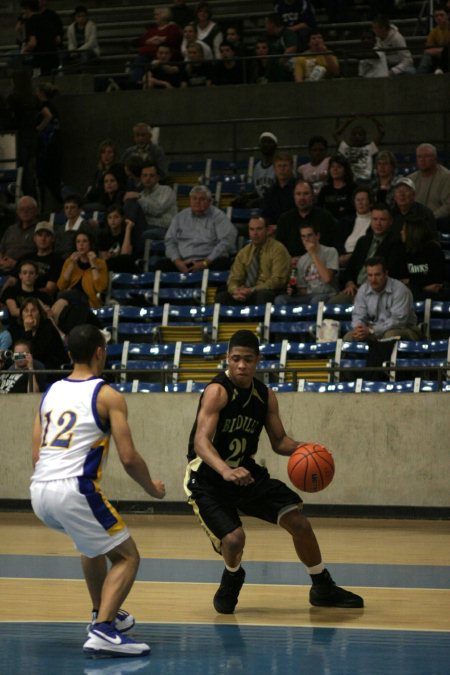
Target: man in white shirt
[(384, 307), (158, 202)]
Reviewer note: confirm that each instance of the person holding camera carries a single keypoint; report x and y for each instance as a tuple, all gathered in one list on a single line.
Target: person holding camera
[(20, 378), (44, 337)]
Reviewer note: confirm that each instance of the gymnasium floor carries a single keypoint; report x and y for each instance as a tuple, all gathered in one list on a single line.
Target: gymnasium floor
[(402, 568)]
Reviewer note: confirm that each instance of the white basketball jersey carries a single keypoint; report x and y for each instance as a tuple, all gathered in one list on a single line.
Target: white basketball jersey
[(74, 443)]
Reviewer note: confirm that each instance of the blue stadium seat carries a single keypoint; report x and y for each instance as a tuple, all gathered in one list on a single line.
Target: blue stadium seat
[(137, 387), (185, 387)]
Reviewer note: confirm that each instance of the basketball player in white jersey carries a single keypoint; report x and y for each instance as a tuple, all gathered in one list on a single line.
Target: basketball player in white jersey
[(70, 444)]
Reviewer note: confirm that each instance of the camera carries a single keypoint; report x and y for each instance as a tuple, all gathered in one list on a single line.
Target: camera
[(19, 356), (5, 354)]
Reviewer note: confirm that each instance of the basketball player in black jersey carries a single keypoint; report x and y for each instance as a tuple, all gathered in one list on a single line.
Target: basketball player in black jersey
[(223, 478)]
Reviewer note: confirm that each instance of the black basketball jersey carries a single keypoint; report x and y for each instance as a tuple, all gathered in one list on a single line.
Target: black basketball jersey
[(240, 422)]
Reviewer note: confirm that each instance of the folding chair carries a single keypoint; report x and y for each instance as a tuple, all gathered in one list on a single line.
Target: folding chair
[(312, 362), (227, 319), (184, 323), (289, 321), (198, 362)]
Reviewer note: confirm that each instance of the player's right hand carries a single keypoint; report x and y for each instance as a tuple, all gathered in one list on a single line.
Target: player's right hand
[(238, 476), (158, 489)]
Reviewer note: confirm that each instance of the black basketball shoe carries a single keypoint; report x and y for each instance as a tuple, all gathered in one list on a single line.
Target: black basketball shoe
[(327, 594), (226, 597)]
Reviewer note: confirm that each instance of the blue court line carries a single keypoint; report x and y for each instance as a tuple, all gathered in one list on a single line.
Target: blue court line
[(209, 571)]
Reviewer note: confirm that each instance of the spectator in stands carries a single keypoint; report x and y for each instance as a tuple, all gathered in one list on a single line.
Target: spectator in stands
[(263, 171), (299, 17), (43, 36), (316, 170), (133, 169), (14, 296), (315, 273), (362, 199), (304, 214), (84, 275), (181, 13), (190, 36), (432, 181), (359, 151), (199, 236), (259, 271), (17, 240), (383, 308), (82, 37), (107, 157), (48, 262), (372, 62), (114, 192), (208, 30), (158, 203), (41, 332), (19, 379), (336, 196), (263, 175), (317, 63), (384, 179), (389, 38), (265, 69), (5, 342), (423, 267), (146, 149), (49, 148), (197, 71), (406, 206), (65, 234), (162, 74), (164, 31), (228, 70), (437, 39), (233, 35), (281, 41), (279, 197), (115, 241), (380, 240)]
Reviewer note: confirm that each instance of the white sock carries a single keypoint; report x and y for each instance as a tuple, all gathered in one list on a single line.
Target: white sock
[(317, 569), (232, 569)]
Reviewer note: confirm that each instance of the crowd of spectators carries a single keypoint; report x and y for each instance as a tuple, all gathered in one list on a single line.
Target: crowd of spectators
[(319, 227), (291, 32)]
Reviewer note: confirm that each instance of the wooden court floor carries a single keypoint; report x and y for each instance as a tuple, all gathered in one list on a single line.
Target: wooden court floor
[(400, 567)]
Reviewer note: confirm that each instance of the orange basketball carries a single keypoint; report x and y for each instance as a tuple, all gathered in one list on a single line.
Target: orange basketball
[(311, 467)]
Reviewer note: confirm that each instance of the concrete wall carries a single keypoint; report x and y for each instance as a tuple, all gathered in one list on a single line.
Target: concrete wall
[(389, 449)]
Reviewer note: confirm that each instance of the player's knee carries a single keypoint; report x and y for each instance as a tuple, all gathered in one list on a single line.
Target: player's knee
[(234, 541), (296, 524)]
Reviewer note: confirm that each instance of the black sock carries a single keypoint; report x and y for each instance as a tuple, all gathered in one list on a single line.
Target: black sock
[(322, 578)]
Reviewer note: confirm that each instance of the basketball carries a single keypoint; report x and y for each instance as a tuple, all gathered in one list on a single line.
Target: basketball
[(311, 467)]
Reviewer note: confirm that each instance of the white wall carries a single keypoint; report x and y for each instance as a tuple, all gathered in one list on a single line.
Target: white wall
[(389, 449)]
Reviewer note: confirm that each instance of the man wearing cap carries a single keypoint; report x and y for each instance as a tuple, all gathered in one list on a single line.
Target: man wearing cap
[(17, 240), (48, 262), (405, 205), (432, 181), (263, 172)]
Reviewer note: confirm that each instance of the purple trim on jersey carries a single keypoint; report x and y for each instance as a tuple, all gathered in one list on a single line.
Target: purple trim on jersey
[(99, 423), (95, 500), (92, 462)]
